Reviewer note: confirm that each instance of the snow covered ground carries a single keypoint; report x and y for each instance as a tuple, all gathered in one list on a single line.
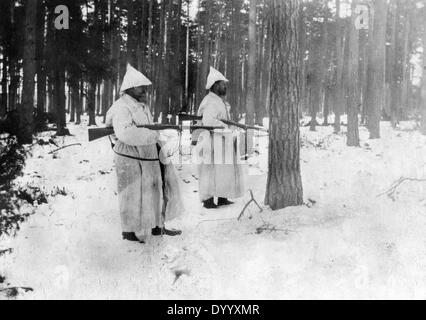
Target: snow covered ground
[(346, 242)]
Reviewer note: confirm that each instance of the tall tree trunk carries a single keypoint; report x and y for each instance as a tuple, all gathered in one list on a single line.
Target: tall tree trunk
[(231, 58), (405, 82), (397, 66), (302, 48), (58, 81), (140, 47), (423, 85), (251, 79), (74, 97), (376, 69), (266, 76), (175, 80), (5, 7), (105, 99), (79, 106), (130, 40), (14, 83), (59, 99), (260, 71), (205, 65), (4, 95), (353, 92), (26, 113), (326, 54), (149, 59), (284, 187), (339, 90), (91, 100), (98, 98), (363, 49), (40, 60)]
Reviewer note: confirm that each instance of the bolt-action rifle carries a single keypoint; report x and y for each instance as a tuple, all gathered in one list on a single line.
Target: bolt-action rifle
[(190, 117), (97, 133)]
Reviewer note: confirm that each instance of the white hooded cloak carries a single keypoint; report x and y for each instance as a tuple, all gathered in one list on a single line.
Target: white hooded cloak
[(220, 179), (140, 193)]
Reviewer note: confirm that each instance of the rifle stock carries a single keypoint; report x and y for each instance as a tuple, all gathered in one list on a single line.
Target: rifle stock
[(98, 133)]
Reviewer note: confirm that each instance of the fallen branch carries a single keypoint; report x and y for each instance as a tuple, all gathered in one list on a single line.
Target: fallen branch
[(391, 191), (61, 148), (215, 220), (261, 229), (247, 204)]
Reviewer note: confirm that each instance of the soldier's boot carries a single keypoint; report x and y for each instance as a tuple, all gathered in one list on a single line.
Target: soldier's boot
[(224, 202), (209, 204), (165, 232)]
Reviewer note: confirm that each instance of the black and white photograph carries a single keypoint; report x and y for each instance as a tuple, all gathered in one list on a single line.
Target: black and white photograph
[(212, 150)]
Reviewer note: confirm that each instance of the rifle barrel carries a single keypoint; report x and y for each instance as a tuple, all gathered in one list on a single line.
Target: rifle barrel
[(97, 133), (190, 117)]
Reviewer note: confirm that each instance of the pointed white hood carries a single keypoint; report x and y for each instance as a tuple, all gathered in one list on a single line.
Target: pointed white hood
[(213, 77), (133, 78)]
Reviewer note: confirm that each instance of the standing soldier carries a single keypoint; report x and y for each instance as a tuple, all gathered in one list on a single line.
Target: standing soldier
[(148, 191), (224, 179)]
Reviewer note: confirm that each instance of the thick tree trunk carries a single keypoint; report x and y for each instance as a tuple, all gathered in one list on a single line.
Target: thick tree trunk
[(353, 90), (14, 83), (284, 187), (339, 90), (40, 60), (26, 113), (395, 67), (376, 69), (75, 97), (59, 100)]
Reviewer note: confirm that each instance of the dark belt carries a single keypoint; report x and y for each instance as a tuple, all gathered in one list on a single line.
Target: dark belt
[(131, 157)]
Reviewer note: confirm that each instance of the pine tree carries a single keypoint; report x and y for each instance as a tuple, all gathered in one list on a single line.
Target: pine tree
[(284, 187), (26, 113)]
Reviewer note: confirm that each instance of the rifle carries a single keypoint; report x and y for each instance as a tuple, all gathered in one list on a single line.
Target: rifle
[(97, 133), (190, 117)]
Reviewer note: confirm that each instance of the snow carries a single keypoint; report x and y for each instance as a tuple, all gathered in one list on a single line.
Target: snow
[(346, 242)]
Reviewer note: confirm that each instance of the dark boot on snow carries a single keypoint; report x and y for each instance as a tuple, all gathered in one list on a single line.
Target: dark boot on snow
[(165, 232), (224, 202), (209, 204), (129, 236)]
